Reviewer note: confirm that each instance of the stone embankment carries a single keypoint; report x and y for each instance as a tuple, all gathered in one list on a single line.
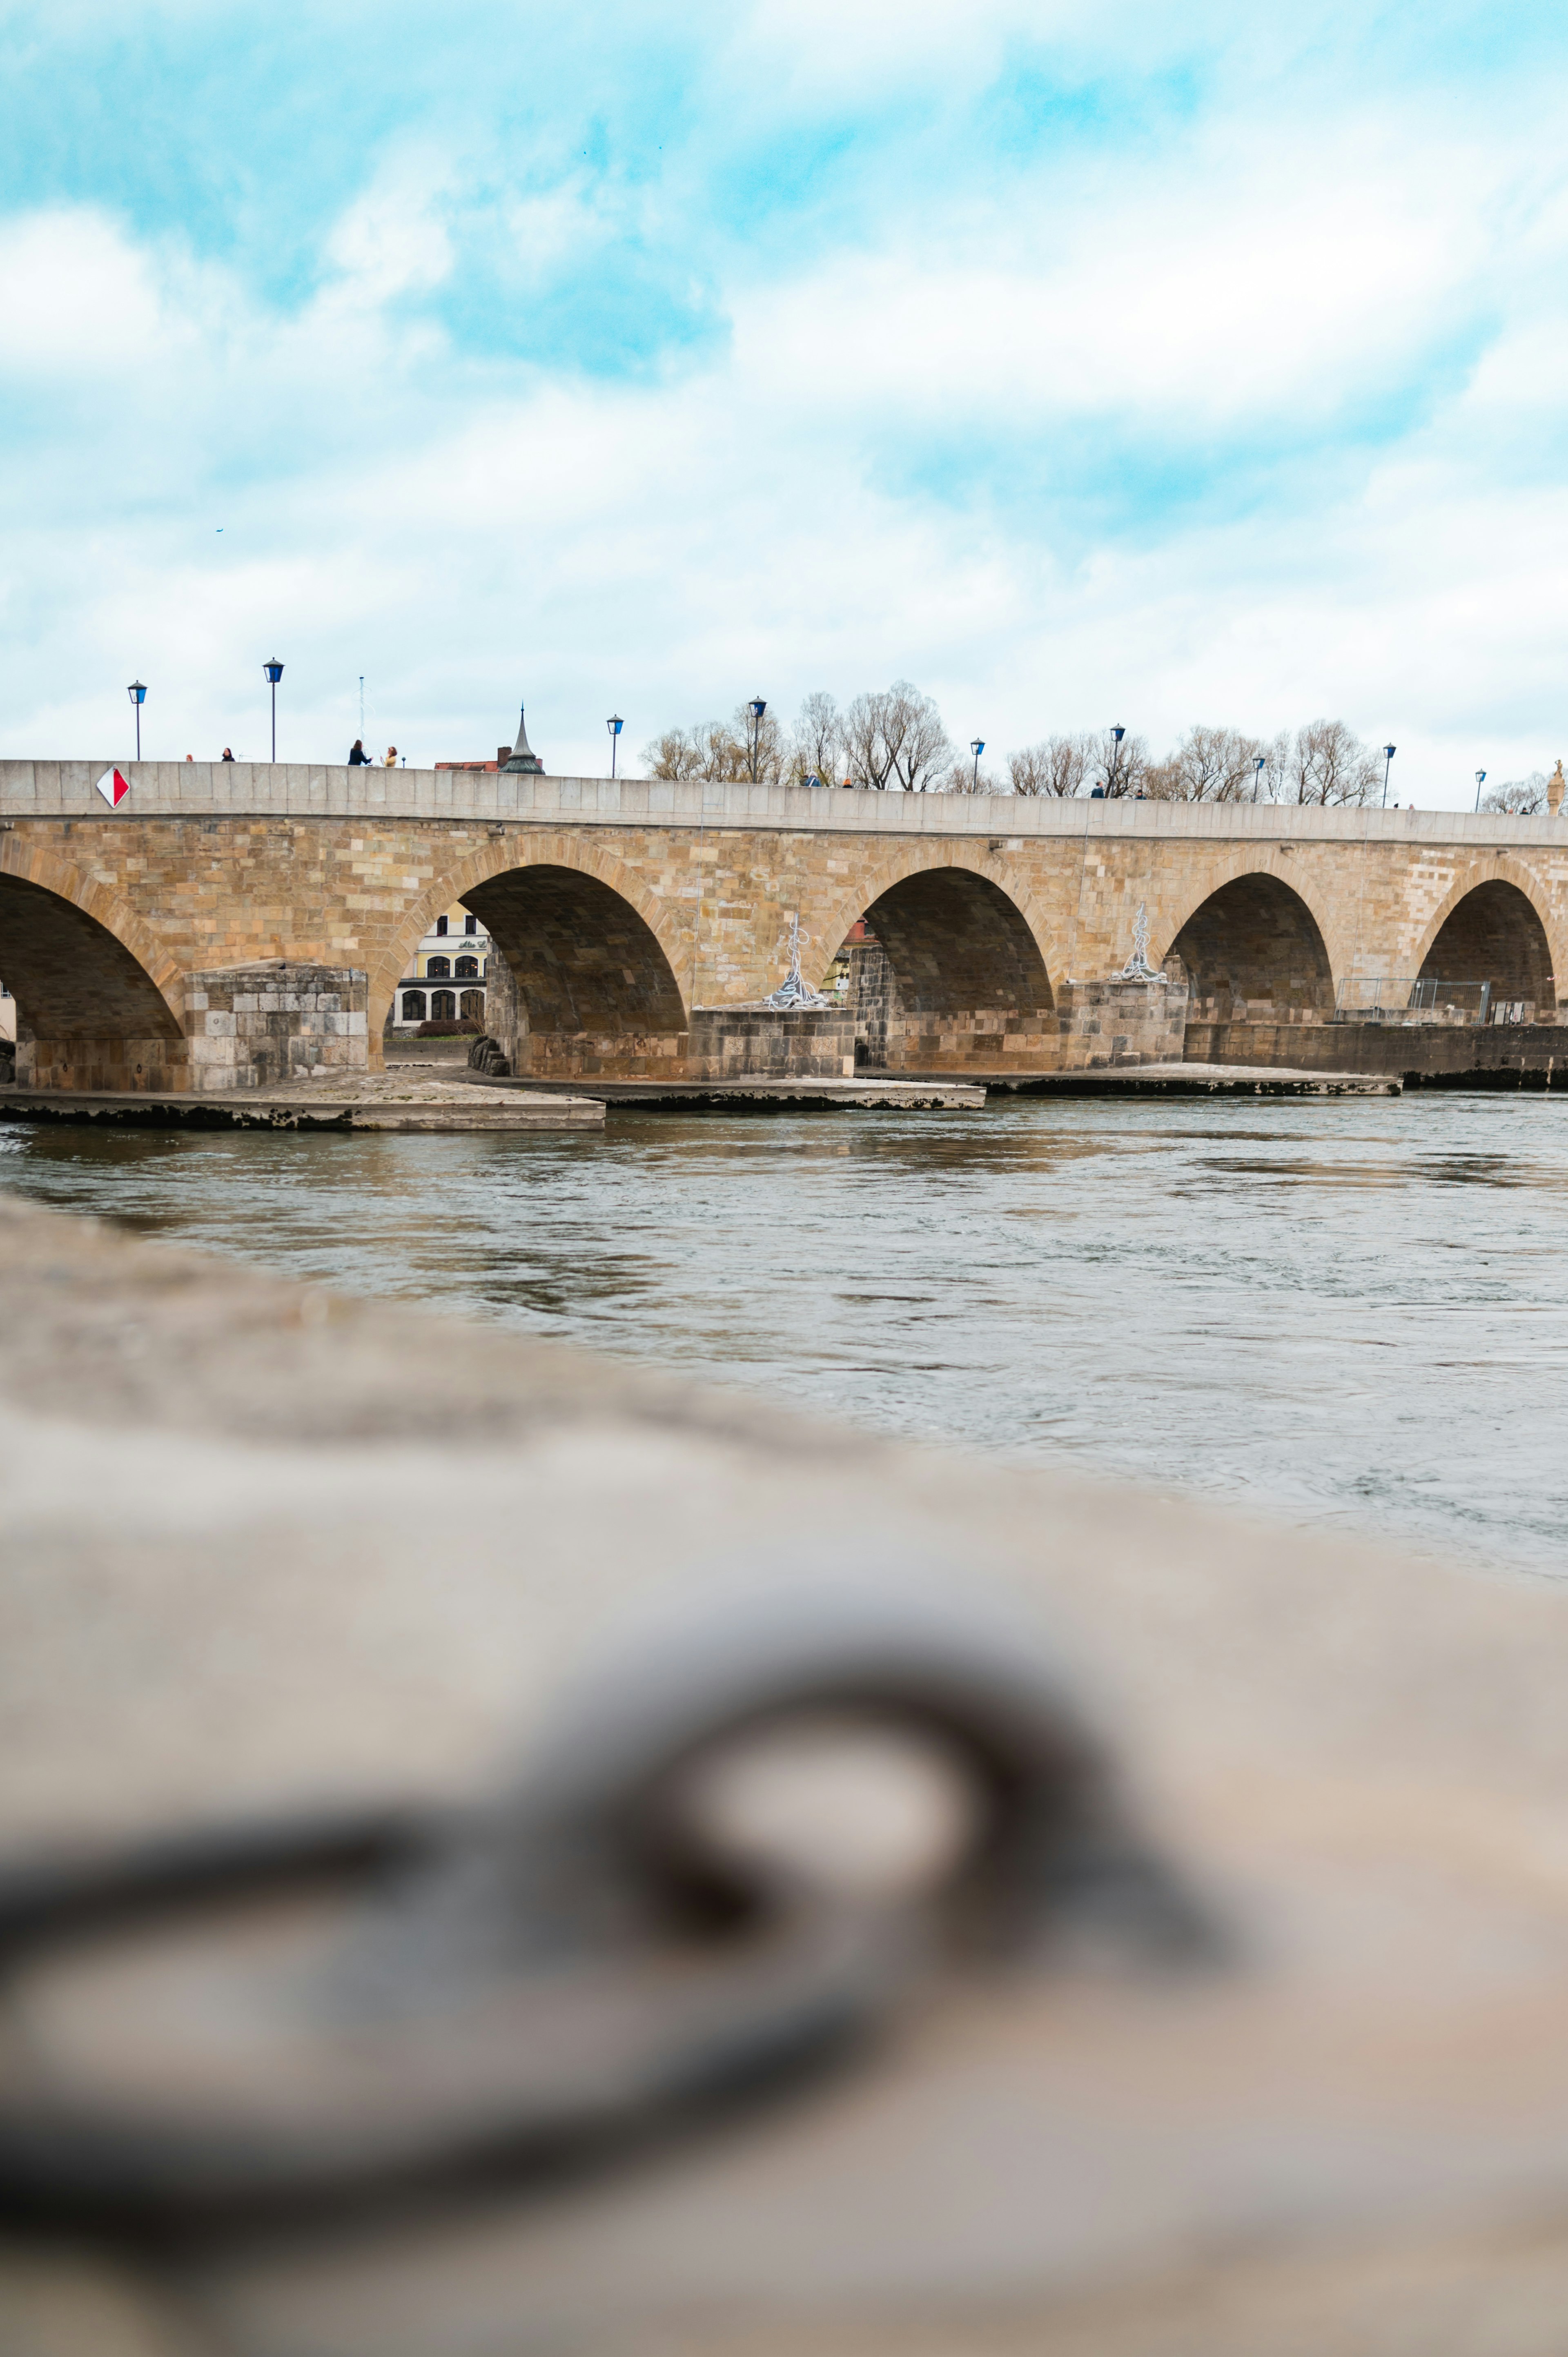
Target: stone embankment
[(336, 1100)]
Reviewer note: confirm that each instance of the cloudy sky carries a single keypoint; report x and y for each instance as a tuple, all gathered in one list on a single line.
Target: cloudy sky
[(1082, 361)]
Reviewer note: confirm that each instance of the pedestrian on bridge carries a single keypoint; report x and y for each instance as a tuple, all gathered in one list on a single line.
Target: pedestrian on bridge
[(358, 756)]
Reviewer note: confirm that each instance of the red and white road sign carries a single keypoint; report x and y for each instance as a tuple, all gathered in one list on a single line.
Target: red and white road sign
[(114, 788)]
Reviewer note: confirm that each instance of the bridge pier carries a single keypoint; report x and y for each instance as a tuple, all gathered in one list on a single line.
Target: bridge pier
[(1090, 1024), (255, 1027)]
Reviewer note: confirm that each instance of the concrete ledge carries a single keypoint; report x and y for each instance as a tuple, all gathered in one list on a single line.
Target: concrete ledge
[(265, 1548), (234, 1109), (1183, 1079), (869, 1091)]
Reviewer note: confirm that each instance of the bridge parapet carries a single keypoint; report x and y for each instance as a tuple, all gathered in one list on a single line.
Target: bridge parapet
[(300, 789)]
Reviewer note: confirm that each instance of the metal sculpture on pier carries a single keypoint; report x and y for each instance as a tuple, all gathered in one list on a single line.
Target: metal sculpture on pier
[(794, 991), (1137, 968)]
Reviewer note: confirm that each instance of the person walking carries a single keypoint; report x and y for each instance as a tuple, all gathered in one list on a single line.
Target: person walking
[(358, 756)]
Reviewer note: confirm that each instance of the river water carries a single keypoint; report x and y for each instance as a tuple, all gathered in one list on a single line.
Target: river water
[(1356, 1311)]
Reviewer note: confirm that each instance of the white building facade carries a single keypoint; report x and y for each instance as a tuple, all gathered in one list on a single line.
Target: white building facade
[(445, 981)]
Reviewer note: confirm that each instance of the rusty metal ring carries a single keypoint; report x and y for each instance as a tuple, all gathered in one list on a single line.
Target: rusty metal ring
[(568, 1968)]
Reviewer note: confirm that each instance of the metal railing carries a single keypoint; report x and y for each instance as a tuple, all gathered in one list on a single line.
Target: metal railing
[(1421, 998)]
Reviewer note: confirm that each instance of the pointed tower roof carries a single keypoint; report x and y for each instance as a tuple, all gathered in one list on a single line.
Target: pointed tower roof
[(523, 756)]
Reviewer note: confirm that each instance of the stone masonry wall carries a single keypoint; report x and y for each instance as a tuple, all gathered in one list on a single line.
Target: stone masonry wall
[(1118, 1023), (254, 1026), (1432, 1049)]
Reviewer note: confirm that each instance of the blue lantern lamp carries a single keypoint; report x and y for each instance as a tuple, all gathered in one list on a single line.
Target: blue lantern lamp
[(274, 673)]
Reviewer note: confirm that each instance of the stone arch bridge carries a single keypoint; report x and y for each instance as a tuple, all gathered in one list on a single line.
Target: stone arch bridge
[(226, 920)]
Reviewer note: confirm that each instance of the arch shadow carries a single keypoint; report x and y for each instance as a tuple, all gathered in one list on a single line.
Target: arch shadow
[(581, 977), (1494, 934), (90, 1015), (583, 960), (962, 984), (1253, 951)]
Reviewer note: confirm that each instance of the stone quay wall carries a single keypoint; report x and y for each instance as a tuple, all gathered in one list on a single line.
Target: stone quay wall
[(1425, 1050), (621, 911)]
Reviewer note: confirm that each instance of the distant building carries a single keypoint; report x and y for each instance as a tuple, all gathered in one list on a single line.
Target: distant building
[(445, 981)]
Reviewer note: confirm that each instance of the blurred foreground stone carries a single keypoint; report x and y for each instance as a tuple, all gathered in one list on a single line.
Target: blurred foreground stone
[(247, 1563)]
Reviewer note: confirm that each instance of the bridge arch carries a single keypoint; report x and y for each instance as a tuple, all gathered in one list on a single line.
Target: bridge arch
[(99, 997), (969, 974), (1253, 951), (1491, 927), (589, 952)]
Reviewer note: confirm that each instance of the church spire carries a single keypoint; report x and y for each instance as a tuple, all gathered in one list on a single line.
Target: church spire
[(523, 756)]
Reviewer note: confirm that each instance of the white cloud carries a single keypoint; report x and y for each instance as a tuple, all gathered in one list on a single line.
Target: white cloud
[(463, 529), (390, 242)]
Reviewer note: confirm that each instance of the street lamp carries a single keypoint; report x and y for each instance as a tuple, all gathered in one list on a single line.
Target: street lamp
[(1389, 752), (1481, 782), (274, 673), (138, 695), (977, 747), (757, 707), (615, 724), (1116, 736), (1258, 762)]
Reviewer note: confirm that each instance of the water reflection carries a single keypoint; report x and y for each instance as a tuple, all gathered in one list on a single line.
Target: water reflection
[(1357, 1310)]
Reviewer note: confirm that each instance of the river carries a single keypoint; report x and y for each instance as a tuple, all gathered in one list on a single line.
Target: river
[(1356, 1312)]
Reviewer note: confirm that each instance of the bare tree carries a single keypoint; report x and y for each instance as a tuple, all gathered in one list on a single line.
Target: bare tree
[(1518, 797), (817, 748), (1325, 761), (1117, 770), (676, 754), (921, 749), (720, 752), (772, 747), (1060, 765), (894, 740), (1209, 765), (866, 756)]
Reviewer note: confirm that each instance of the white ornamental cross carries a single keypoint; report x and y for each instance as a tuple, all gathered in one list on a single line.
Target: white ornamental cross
[(794, 990), (1137, 968)]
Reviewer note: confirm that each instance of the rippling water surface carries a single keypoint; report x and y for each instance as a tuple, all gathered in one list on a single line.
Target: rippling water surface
[(1357, 1310)]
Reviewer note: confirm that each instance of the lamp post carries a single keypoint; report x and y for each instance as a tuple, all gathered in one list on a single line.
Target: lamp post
[(1389, 752), (274, 673), (977, 747), (1258, 761), (138, 695), (615, 724), (757, 707), (1481, 782), (1116, 736)]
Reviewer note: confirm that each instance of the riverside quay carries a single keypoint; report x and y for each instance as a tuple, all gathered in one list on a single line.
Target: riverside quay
[(197, 926)]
